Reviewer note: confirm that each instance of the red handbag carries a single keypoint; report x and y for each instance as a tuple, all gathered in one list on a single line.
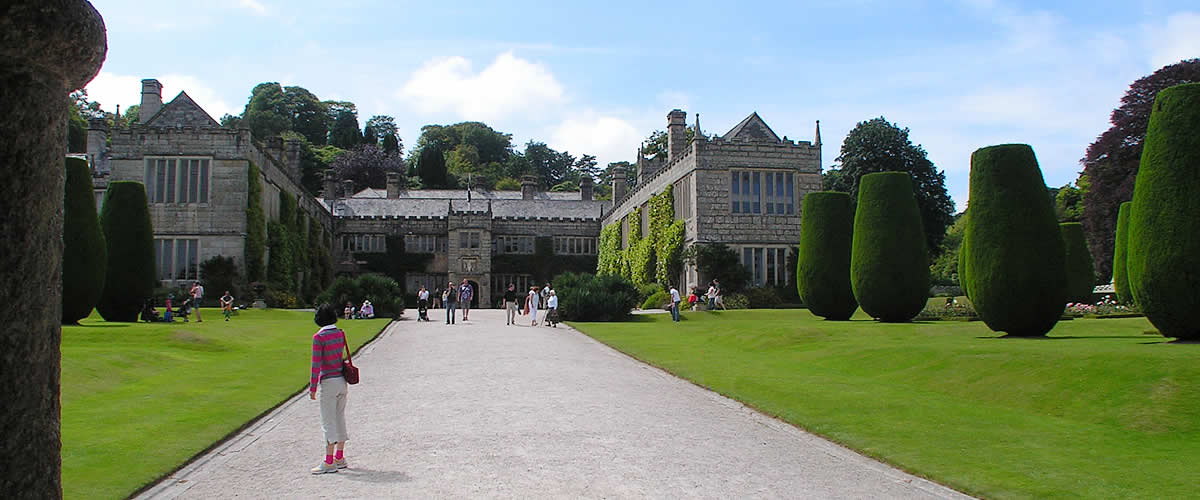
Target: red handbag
[(349, 371)]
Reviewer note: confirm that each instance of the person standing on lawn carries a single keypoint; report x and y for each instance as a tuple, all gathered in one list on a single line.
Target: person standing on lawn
[(450, 298), (675, 303), (227, 304), (465, 294), (197, 294), (510, 304), (328, 347)]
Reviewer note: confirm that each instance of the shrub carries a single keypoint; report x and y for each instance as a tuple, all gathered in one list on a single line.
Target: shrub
[(84, 254), (736, 301), (647, 290), (717, 260), (1162, 258), (762, 297), (1120, 250), (280, 298), (383, 292), (1081, 276), (1014, 261), (889, 266), (823, 265), (656, 300), (219, 274), (129, 240), (587, 297)]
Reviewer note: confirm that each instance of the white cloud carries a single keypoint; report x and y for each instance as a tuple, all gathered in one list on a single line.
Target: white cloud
[(509, 85), (111, 89), (252, 5), (608, 137), (1175, 41)]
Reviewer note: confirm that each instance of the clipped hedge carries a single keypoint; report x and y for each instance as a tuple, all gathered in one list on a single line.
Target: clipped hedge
[(889, 265), (1013, 255), (1081, 274), (823, 266), (85, 256), (129, 239), (587, 297), (1163, 259), (1120, 250)]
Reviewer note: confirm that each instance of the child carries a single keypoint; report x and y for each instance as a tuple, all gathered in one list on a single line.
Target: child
[(227, 304), (168, 313)]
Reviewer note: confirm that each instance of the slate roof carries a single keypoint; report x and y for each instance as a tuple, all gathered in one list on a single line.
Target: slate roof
[(752, 129), (436, 203), (182, 111)]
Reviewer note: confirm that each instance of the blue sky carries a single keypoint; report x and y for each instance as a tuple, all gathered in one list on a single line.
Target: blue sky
[(598, 77)]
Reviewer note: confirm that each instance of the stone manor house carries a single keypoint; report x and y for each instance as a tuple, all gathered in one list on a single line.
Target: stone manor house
[(743, 189)]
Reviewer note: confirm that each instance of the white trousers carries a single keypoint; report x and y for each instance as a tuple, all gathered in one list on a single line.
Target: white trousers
[(333, 409)]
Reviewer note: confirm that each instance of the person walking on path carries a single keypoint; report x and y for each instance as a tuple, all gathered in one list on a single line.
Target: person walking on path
[(711, 296), (544, 295), (531, 303), (328, 345), (423, 304), (450, 298), (438, 295), (510, 304), (465, 294), (675, 303), (227, 304), (197, 294), (552, 310)]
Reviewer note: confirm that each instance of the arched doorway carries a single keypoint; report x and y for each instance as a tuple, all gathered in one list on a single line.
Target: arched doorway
[(474, 294)]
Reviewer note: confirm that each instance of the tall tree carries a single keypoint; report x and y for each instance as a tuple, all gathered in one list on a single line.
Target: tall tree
[(367, 165), (384, 127), (879, 146), (343, 132), (309, 116), (1111, 163), (550, 166), (656, 142), (267, 113), (606, 175)]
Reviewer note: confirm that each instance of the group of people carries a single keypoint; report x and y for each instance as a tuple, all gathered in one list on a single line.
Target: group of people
[(712, 298), (544, 298), (366, 311), (189, 306)]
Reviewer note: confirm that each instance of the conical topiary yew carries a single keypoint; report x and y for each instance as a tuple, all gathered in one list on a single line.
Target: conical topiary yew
[(889, 265), (129, 237), (85, 257), (1081, 275), (1120, 250), (823, 262), (1015, 266), (1163, 259)]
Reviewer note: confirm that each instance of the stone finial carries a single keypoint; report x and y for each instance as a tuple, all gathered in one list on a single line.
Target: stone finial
[(47, 49), (528, 187), (817, 139), (348, 188), (696, 134)]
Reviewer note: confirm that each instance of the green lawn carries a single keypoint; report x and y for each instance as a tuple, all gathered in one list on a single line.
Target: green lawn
[(140, 399), (1098, 410)]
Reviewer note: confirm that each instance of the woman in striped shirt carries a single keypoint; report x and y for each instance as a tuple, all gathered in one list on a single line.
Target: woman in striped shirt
[(328, 345)]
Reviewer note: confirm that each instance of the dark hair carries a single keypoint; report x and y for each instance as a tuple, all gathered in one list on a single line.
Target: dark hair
[(326, 315)]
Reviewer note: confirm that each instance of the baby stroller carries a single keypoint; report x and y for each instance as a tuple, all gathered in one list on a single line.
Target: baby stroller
[(185, 308), (422, 310)]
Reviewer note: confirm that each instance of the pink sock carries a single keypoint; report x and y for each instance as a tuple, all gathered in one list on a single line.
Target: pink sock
[(339, 455), (329, 459)]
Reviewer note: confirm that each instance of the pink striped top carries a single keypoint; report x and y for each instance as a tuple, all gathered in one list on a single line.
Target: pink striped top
[(328, 346)]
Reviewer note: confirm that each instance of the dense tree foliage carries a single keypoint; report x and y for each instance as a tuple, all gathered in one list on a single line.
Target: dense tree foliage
[(85, 255), (1162, 259), (129, 239), (343, 131), (367, 165), (449, 155), (823, 267), (944, 269), (879, 146), (1012, 256), (889, 263), (1111, 163), (383, 128), (1081, 276)]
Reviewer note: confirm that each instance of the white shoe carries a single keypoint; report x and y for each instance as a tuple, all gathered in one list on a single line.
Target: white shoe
[(324, 468), (340, 463)]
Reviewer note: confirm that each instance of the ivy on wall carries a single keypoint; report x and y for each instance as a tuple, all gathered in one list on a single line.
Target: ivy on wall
[(256, 226), (608, 260), (654, 257)]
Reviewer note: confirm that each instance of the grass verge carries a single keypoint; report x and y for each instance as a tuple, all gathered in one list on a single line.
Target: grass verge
[(141, 399), (1097, 410)]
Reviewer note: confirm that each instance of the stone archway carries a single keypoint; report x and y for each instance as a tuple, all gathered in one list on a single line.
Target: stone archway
[(474, 294)]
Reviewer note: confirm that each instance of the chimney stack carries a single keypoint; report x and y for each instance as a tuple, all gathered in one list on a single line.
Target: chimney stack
[(528, 187), (151, 99), (393, 185), (619, 186), (676, 134), (585, 188), (347, 188), (330, 185)]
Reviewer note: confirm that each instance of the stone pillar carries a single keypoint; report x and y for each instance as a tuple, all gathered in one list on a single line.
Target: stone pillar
[(275, 149), (585, 188), (347, 188), (292, 148), (47, 49), (528, 187), (393, 185), (676, 134), (151, 99), (330, 192), (619, 186)]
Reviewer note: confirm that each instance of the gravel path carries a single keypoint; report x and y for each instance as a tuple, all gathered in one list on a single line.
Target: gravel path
[(480, 409)]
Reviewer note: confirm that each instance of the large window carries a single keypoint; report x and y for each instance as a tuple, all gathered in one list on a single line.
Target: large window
[(514, 244), (177, 180), (366, 243), (767, 265), (177, 259), (500, 285), (762, 192), (424, 243), (468, 239), (574, 245)]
